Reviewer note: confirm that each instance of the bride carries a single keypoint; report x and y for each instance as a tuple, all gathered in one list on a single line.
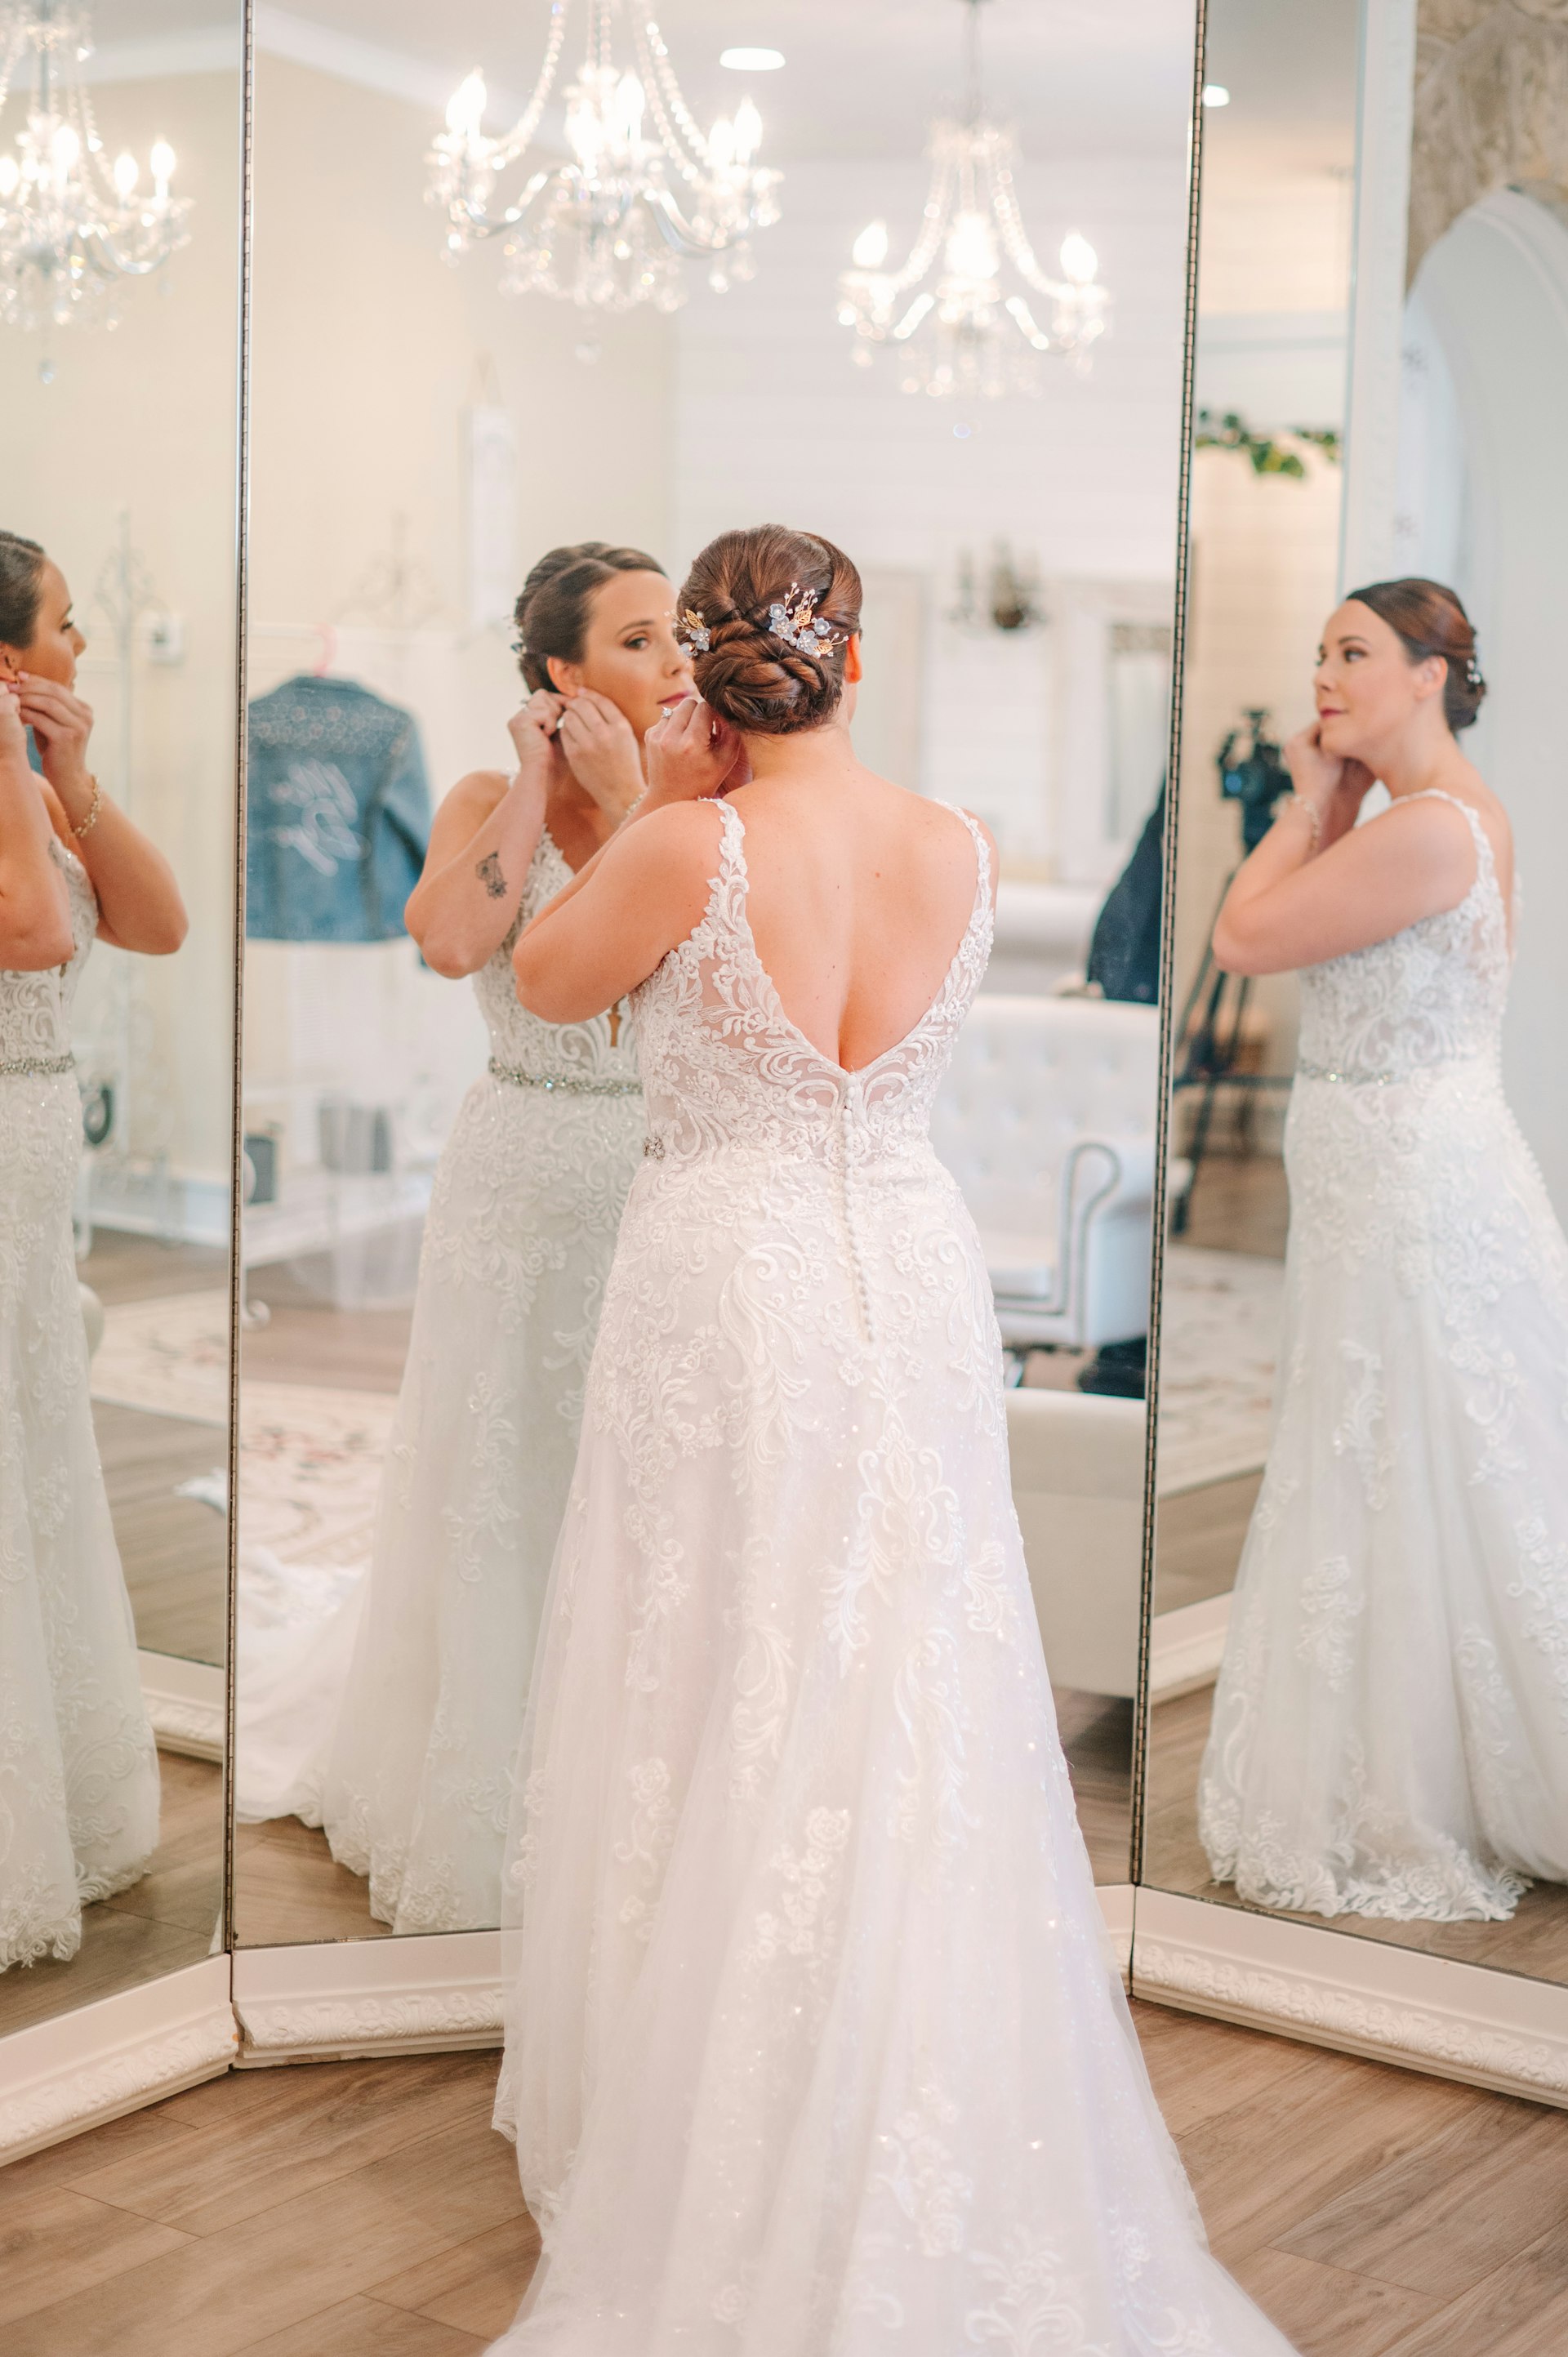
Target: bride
[(521, 1228), (813, 2046), (1391, 1724), (79, 1773)]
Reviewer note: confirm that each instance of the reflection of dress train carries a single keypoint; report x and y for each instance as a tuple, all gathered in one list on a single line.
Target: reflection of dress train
[(1390, 1726), (521, 1229), (814, 2046), (78, 1773)]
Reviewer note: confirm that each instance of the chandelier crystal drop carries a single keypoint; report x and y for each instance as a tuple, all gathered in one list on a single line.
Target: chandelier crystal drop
[(642, 191), (947, 308), (74, 228)]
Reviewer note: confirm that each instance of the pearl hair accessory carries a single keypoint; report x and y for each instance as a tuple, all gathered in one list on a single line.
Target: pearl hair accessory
[(696, 639), (791, 619), (1473, 672)]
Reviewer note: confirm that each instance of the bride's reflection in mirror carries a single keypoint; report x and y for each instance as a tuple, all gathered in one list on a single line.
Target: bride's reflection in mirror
[(78, 1770), (413, 1787), (1389, 1735)]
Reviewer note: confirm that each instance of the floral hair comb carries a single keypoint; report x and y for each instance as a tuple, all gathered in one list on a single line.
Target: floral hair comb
[(694, 633), (791, 619)]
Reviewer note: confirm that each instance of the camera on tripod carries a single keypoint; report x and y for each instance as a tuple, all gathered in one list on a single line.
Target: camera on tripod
[(1256, 778)]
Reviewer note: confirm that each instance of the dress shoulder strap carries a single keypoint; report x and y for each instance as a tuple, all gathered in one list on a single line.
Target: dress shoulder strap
[(1482, 841), (982, 857)]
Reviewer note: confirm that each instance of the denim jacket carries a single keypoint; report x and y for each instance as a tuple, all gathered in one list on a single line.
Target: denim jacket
[(339, 813)]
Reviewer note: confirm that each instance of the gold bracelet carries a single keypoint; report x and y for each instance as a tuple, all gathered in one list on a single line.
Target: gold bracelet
[(1299, 803), (90, 821)]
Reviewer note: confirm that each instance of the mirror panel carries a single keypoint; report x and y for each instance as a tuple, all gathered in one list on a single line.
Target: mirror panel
[(1389, 1663), (117, 1066), (418, 1319)]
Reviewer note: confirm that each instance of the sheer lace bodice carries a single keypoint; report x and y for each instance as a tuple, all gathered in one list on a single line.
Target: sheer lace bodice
[(34, 1008), (1428, 995), (724, 1069), (524, 1044)]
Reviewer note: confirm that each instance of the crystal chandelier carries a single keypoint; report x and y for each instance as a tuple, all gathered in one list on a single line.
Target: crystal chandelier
[(963, 333), (643, 189), (73, 228)]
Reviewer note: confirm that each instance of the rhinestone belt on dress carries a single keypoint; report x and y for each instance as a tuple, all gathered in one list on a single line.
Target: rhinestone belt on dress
[(40, 1068), (570, 1082), (1360, 1080)]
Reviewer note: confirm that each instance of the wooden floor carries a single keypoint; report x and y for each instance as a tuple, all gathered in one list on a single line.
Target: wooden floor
[(368, 2210), (122, 1267), (1534, 1941), (174, 1550), (1198, 1535), (161, 1924)]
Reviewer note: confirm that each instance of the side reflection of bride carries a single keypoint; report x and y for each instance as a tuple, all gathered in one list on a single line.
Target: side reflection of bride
[(527, 1200), (1390, 1726), (78, 1773), (815, 2045)]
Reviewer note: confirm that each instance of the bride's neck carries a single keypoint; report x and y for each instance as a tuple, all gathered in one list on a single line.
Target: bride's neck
[(815, 754)]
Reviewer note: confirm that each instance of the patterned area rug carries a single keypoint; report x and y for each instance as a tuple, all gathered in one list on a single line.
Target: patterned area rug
[(312, 1455), (168, 1356), (310, 1467), (1219, 1348)]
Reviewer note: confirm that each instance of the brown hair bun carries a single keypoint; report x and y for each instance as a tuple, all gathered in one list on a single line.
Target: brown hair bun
[(1430, 620), (551, 613), (753, 678)]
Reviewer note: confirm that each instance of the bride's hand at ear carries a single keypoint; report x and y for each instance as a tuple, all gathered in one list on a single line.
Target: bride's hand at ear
[(534, 732), (600, 745), (692, 756)]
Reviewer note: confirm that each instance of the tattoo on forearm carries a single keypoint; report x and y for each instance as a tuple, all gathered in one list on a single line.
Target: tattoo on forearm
[(489, 872)]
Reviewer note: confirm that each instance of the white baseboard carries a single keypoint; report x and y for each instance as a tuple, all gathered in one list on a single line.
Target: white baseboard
[(369, 1996), (1186, 1647), (1116, 1912), (185, 1702), (1329, 1988), (96, 2062)]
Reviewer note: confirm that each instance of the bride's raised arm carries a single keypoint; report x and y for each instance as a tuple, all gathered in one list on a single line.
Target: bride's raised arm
[(645, 890)]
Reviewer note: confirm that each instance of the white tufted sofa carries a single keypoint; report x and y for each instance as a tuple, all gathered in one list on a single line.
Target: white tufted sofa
[(1047, 1120), (1042, 935)]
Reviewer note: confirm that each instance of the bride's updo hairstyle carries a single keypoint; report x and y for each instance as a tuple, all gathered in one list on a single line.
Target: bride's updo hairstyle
[(752, 676), (1430, 620), (552, 614)]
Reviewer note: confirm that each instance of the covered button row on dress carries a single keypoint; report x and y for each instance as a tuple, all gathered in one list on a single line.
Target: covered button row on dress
[(856, 1144)]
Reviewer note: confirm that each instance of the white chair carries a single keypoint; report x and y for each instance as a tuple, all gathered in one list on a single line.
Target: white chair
[(1047, 1120), (1042, 936), (1078, 1486)]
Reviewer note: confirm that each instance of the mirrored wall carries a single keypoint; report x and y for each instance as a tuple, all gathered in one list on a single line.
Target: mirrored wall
[(120, 220), (446, 390), (1362, 1524)]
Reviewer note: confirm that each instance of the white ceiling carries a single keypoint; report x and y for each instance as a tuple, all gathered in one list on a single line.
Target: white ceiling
[(862, 77)]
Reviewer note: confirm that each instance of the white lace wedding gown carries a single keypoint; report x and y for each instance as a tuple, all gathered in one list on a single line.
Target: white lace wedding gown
[(814, 2049), (79, 1772), (1391, 1724), (518, 1240)]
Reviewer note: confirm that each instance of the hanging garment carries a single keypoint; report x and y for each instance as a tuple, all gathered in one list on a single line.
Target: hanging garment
[(1124, 953), (339, 813), (1391, 1724), (78, 1773), (813, 2045)]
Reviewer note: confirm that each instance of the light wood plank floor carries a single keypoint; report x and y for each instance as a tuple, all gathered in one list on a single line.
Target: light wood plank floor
[(368, 2210), (161, 1924), (1534, 1941)]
